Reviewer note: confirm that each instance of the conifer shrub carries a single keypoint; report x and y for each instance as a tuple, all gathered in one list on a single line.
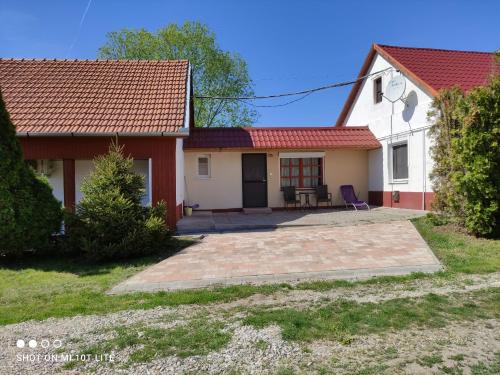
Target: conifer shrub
[(110, 222), (29, 212)]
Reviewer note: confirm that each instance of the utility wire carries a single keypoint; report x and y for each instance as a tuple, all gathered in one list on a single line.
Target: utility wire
[(310, 91), (276, 105)]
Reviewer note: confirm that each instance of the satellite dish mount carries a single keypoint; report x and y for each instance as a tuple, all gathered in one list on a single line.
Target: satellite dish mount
[(395, 89)]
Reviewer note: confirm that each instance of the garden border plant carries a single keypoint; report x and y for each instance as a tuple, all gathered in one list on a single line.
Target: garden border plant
[(110, 222), (466, 175), (29, 213)]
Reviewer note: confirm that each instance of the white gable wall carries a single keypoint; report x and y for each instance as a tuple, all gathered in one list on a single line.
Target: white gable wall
[(377, 116)]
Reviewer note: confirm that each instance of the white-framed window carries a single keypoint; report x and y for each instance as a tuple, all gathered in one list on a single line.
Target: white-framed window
[(203, 166), (303, 173), (304, 170), (398, 162)]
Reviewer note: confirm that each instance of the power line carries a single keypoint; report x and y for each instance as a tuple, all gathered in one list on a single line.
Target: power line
[(310, 91), (276, 105)]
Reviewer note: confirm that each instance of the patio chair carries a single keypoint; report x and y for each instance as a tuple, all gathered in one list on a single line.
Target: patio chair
[(290, 196), (323, 196), (349, 197)]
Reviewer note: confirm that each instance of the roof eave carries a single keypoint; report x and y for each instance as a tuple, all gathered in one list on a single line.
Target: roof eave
[(421, 83), (364, 147), (106, 134), (354, 91), (374, 49)]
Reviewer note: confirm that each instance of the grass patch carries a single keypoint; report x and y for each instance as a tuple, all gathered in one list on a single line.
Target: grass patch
[(458, 357), (60, 287), (261, 345), (460, 252), (482, 368), (198, 337), (451, 370), (391, 352), (341, 320), (285, 371), (430, 360), (371, 370), (40, 288)]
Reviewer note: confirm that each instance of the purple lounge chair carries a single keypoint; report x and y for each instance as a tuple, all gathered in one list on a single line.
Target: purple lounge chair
[(349, 197)]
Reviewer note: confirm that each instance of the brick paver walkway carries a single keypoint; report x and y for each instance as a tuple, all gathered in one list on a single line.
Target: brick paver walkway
[(206, 221), (291, 254)]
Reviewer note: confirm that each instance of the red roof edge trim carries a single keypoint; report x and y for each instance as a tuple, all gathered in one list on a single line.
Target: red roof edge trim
[(405, 70), (354, 91), (308, 138), (364, 70), (430, 69)]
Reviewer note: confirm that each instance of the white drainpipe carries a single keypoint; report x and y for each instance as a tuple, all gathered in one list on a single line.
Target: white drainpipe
[(424, 171)]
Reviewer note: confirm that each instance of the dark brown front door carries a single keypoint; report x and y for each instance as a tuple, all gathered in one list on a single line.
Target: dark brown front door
[(254, 171)]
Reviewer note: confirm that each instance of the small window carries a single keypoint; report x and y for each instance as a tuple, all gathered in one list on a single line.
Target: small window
[(204, 166), (377, 90), (302, 173), (400, 162)]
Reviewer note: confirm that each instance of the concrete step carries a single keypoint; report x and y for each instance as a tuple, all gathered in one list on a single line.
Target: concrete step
[(260, 210)]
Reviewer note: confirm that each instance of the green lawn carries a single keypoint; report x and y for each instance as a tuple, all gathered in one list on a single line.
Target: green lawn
[(460, 253), (341, 320), (197, 337), (58, 287)]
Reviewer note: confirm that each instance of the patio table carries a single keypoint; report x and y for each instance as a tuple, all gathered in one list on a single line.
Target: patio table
[(307, 201)]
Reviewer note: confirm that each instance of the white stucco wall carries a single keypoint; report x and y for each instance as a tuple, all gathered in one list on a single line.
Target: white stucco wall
[(377, 116), (419, 163), (223, 190), (224, 187), (179, 171), (56, 180)]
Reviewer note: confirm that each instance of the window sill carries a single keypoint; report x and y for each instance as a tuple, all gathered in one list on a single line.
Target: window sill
[(299, 189), (398, 182)]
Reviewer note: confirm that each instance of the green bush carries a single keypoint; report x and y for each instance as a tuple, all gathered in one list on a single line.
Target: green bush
[(29, 213), (467, 157), (110, 222), (437, 219), (477, 176)]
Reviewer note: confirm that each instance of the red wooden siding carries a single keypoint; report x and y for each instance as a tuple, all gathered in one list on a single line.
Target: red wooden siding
[(69, 183), (160, 149)]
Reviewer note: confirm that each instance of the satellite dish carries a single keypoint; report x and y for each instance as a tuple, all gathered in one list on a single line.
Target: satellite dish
[(395, 89)]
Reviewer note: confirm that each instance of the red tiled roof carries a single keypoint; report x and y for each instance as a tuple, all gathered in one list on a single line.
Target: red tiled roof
[(441, 68), (282, 138), (99, 96), (431, 69)]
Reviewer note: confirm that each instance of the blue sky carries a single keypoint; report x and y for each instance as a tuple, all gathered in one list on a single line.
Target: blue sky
[(289, 45)]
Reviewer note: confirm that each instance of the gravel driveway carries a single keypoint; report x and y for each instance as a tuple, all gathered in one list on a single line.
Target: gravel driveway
[(458, 344)]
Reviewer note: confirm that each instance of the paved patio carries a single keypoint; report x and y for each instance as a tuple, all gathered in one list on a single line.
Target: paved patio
[(291, 254), (206, 221)]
